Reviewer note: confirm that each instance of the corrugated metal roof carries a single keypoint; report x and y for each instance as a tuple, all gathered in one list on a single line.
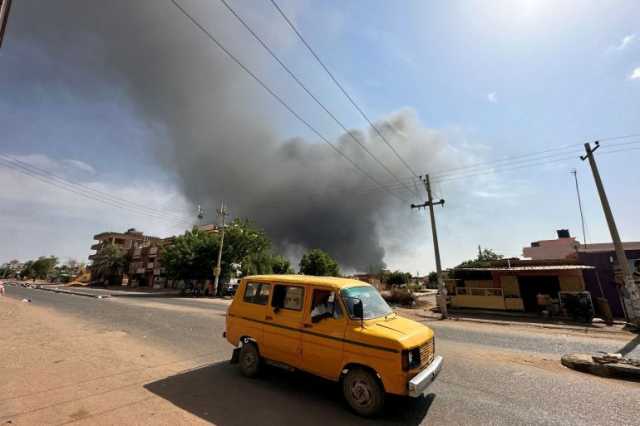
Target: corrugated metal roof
[(531, 268)]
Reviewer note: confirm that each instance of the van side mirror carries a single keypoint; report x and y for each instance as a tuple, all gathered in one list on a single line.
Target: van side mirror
[(358, 310)]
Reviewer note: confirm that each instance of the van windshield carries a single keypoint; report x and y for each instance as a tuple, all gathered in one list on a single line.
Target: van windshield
[(373, 305)]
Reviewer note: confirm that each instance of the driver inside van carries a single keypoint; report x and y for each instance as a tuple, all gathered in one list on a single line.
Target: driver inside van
[(323, 305)]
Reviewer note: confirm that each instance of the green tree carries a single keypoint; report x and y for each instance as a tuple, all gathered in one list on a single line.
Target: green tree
[(192, 256), (43, 267), (483, 260), (281, 265), (27, 270), (317, 262), (110, 264), (397, 277)]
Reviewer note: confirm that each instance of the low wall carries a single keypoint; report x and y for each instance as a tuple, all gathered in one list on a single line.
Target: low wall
[(479, 302)]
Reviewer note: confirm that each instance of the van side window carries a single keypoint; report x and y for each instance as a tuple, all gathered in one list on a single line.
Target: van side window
[(324, 304), (257, 293), (288, 297)]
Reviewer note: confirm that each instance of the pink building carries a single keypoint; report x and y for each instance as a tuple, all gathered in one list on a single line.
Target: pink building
[(561, 248)]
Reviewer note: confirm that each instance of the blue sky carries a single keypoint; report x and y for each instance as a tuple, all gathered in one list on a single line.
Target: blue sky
[(494, 79)]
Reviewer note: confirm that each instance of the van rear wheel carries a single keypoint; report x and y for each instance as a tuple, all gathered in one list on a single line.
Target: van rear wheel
[(249, 359), (363, 392)]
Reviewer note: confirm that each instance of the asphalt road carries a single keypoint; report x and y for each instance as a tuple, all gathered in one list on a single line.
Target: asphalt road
[(492, 374)]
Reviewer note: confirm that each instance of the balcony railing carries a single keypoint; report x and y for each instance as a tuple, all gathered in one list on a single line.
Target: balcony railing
[(478, 291)]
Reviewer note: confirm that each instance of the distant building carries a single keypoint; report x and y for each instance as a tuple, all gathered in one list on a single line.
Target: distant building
[(514, 284), (372, 279), (603, 280), (145, 268), (13, 268), (560, 248), (123, 240)]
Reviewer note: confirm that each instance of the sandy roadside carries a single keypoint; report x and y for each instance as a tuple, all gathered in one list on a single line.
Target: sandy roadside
[(59, 370)]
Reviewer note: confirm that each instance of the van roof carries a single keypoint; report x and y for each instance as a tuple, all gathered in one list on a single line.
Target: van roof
[(334, 282)]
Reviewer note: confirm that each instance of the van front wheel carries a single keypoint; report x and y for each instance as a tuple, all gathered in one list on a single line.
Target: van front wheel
[(249, 360), (363, 392)]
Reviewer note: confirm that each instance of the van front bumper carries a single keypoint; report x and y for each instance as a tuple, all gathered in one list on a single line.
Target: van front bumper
[(421, 382)]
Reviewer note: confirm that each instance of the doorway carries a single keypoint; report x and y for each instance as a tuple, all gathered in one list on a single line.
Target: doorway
[(530, 286)]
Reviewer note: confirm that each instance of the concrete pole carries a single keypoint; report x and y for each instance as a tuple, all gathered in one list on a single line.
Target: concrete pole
[(632, 298), (216, 272), (442, 290)]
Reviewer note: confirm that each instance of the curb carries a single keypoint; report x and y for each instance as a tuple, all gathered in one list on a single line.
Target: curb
[(585, 364), (585, 330), (76, 293), (108, 295), (144, 295)]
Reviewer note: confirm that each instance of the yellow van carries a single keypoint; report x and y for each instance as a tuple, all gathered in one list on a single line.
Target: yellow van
[(337, 328)]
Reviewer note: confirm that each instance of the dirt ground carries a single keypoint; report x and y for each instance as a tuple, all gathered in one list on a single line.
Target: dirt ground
[(59, 370)]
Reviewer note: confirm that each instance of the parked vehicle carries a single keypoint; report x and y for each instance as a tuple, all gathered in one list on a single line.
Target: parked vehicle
[(339, 329), (229, 289)]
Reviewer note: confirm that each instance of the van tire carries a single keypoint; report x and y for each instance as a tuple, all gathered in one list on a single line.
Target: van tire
[(249, 360), (363, 392)]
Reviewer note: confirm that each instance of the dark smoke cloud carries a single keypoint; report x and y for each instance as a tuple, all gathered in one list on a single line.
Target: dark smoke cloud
[(216, 125)]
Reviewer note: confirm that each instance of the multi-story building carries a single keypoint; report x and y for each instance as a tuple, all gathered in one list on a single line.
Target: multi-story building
[(123, 240), (126, 241), (145, 268)]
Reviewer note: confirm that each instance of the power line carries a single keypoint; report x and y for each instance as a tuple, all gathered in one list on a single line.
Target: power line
[(68, 186), (613, 138), (509, 167), (278, 98), (533, 162), (91, 197), (307, 91), (341, 87), (47, 173), (534, 154)]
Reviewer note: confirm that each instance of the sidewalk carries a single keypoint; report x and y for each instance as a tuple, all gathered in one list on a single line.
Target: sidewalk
[(58, 370), (512, 320), (109, 292)]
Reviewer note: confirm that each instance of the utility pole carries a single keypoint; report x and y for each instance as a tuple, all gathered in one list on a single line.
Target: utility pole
[(5, 5), (574, 172), (200, 214), (222, 212), (442, 291), (632, 296)]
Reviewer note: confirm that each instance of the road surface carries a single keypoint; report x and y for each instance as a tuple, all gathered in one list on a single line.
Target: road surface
[(492, 374)]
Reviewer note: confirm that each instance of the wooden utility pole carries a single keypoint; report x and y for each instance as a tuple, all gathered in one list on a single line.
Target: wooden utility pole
[(5, 5), (442, 290), (632, 296), (222, 212)]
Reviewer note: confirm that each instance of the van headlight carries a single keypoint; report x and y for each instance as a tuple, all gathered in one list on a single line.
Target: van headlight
[(411, 359)]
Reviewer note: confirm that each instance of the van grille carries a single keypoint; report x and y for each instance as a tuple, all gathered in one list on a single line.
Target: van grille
[(426, 353)]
